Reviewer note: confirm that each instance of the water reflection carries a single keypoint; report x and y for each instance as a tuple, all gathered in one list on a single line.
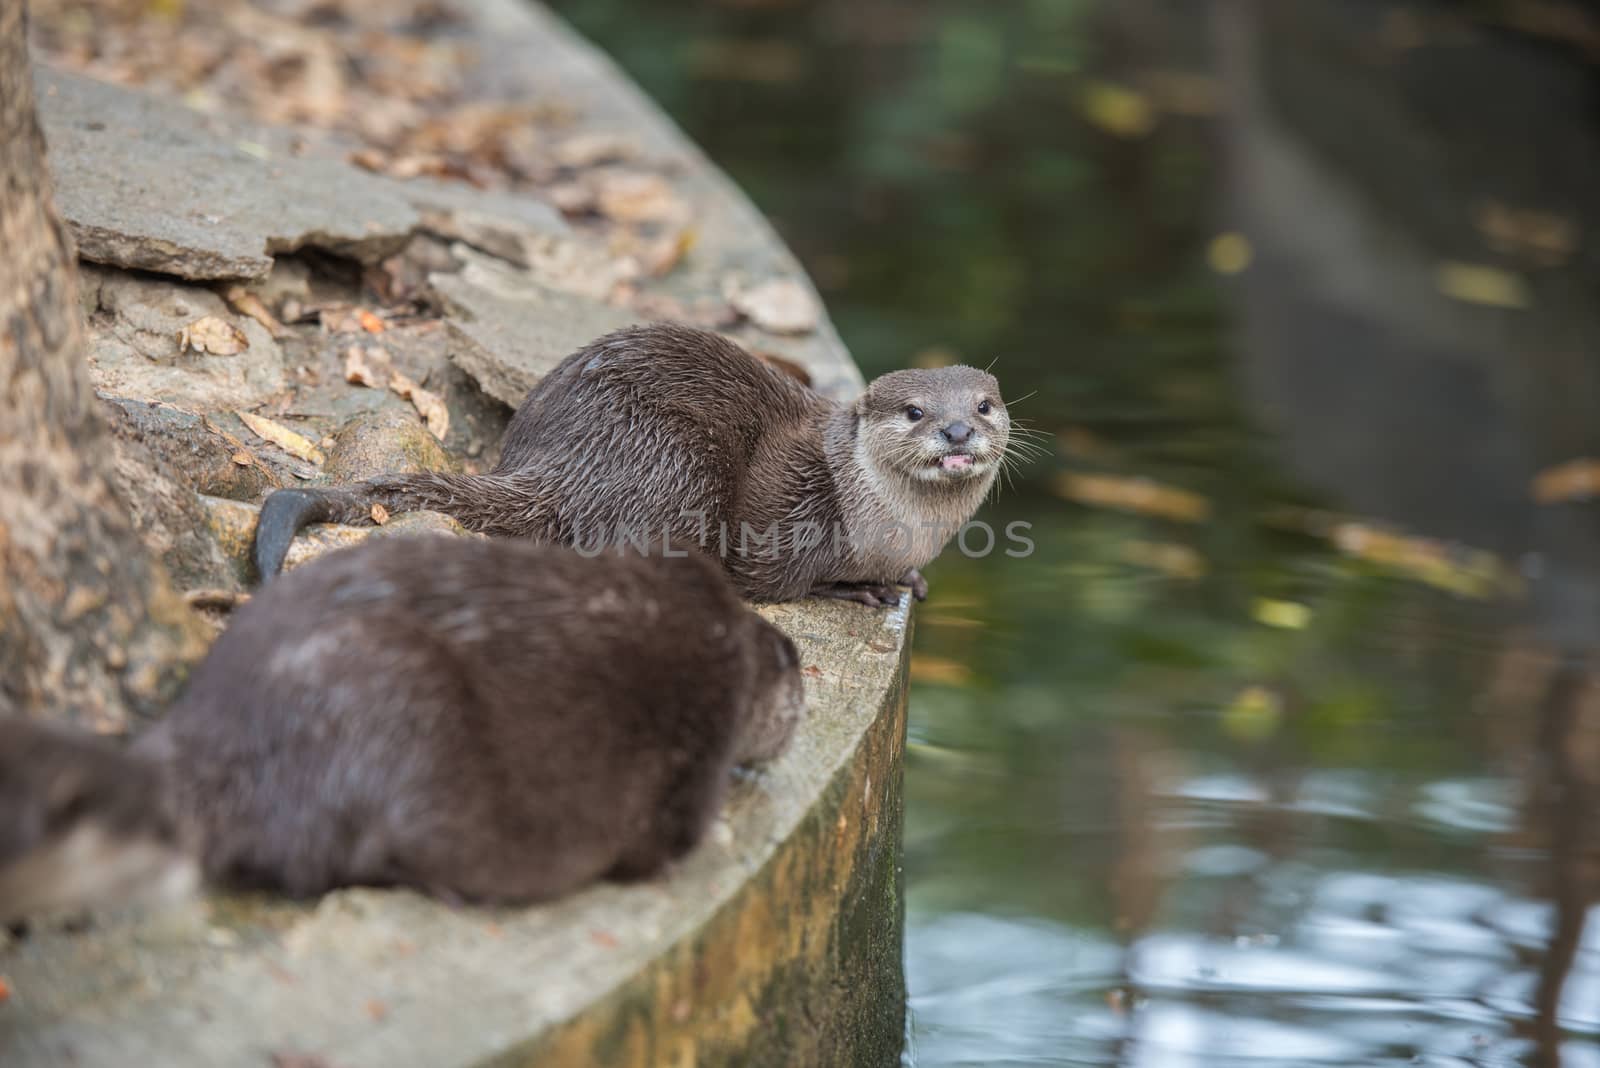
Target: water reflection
[(1284, 747)]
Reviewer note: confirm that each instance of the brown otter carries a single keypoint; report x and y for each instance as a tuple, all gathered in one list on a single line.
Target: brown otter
[(669, 432), (486, 721)]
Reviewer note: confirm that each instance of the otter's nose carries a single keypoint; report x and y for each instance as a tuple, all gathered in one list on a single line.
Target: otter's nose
[(956, 433)]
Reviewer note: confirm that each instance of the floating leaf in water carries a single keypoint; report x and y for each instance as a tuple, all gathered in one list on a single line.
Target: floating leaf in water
[(1253, 715), (940, 670), (213, 335), (1477, 283), (281, 436), (1229, 253), (1575, 480), (1542, 238), (1178, 561), (1290, 615), (1134, 495), (1118, 109)]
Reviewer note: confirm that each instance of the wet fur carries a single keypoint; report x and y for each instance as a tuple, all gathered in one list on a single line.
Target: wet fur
[(645, 427), (485, 721)]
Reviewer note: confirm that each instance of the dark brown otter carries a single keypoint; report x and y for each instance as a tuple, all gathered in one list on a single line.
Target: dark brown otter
[(482, 720), (668, 432)]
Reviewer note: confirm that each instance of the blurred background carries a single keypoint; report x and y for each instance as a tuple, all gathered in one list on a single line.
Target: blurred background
[(1283, 746)]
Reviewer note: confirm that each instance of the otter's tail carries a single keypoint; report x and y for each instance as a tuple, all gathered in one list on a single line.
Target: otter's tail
[(84, 823), (502, 505)]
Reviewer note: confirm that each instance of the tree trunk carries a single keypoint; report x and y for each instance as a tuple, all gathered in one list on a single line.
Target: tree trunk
[(90, 629)]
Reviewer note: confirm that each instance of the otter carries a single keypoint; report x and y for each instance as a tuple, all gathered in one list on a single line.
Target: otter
[(672, 433), (485, 721)]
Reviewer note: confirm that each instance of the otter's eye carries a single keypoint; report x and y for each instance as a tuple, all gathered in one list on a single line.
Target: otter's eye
[(984, 407), (913, 413)]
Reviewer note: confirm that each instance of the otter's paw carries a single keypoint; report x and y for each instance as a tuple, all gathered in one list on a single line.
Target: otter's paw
[(871, 594), (918, 584)]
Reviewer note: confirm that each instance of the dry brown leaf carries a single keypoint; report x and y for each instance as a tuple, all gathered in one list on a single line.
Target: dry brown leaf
[(661, 256), (631, 197), (281, 436), (1575, 480), (243, 459), (592, 149), (429, 405), (369, 322), (781, 306), (245, 302), (213, 335), (367, 366), (380, 514)]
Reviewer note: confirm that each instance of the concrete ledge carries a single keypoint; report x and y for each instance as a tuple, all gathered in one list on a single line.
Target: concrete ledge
[(776, 942)]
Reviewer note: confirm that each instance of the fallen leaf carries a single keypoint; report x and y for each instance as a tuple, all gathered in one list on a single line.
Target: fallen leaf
[(245, 302), (380, 514), (299, 1060), (660, 257), (377, 1009), (282, 437), (1575, 480), (781, 306), (429, 405), (632, 197), (604, 939), (784, 364), (369, 322), (367, 366), (213, 335), (209, 598), (243, 459), (592, 149), (1478, 284)]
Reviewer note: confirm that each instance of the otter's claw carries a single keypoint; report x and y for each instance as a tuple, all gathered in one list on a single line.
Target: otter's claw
[(918, 584), (871, 594)]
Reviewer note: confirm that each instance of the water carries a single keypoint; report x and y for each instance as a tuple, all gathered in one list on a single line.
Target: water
[(1283, 747)]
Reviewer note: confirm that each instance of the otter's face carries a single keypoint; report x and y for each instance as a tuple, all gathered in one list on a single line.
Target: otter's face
[(81, 828), (780, 699), (944, 425)]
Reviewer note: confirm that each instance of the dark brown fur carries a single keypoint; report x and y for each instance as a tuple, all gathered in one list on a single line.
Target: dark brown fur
[(671, 432), (487, 721)]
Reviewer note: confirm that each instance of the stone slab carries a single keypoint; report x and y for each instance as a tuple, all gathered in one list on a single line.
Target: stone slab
[(511, 331), (148, 184)]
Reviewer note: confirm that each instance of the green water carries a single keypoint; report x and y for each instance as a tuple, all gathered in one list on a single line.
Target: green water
[(1283, 747)]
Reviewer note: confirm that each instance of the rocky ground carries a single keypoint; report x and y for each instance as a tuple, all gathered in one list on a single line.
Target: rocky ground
[(324, 240)]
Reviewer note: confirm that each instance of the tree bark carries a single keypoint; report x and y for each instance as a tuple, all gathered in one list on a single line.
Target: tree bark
[(90, 629)]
